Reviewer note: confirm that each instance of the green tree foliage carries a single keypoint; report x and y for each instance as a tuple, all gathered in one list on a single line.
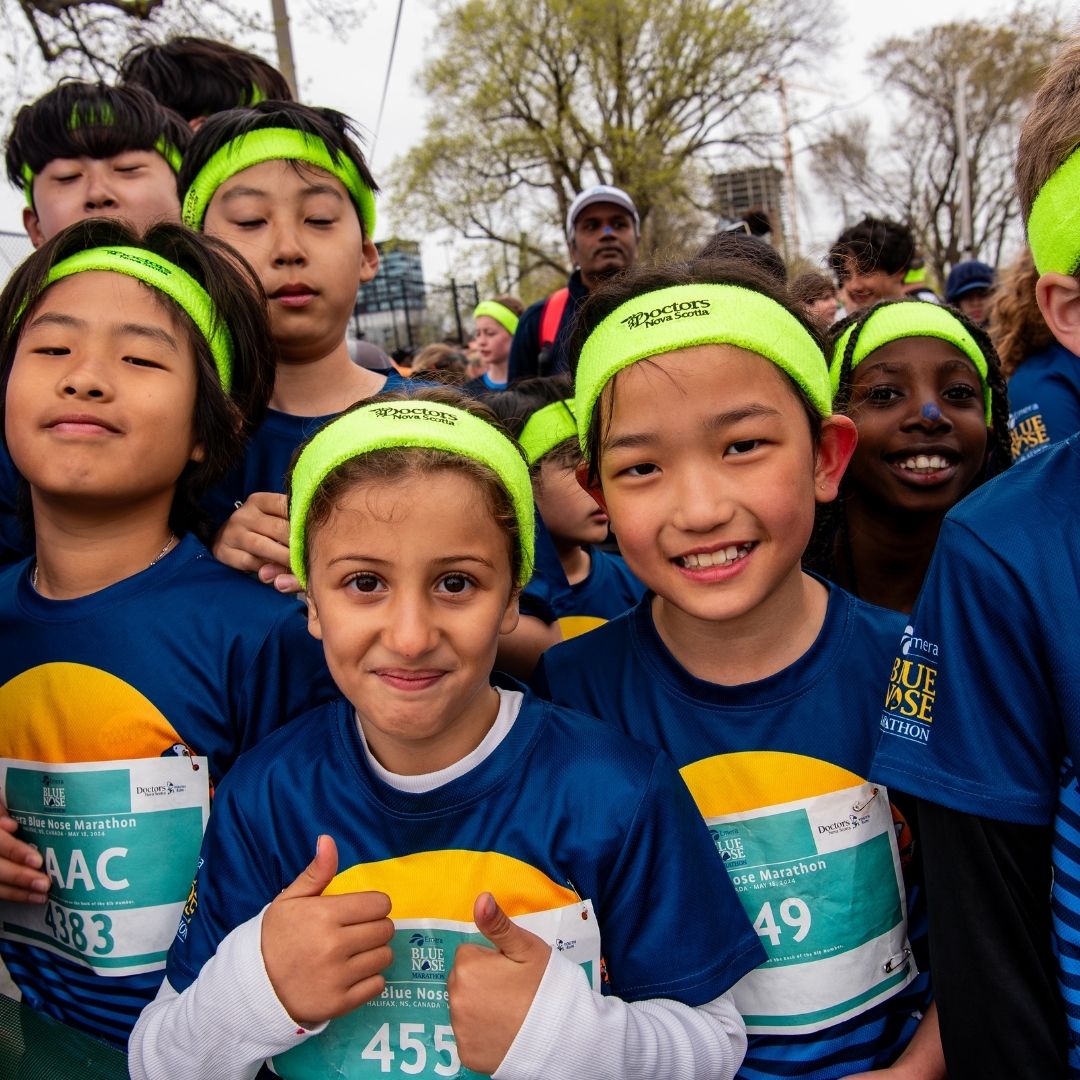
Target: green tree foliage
[(914, 174), (533, 102)]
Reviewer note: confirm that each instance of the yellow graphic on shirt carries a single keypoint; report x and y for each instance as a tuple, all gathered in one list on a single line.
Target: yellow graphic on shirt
[(573, 626), (445, 884), (65, 712), (735, 783), (1026, 434)]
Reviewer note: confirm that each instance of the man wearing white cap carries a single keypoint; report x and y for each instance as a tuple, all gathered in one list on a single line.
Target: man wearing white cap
[(602, 232)]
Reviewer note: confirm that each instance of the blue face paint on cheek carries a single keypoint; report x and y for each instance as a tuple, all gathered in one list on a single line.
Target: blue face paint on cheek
[(931, 412)]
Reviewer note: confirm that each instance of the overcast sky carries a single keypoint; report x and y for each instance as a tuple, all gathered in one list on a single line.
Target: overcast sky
[(348, 75)]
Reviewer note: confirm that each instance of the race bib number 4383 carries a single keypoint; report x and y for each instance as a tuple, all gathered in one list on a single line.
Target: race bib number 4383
[(120, 840)]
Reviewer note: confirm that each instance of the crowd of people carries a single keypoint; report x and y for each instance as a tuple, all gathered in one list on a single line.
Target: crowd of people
[(676, 680)]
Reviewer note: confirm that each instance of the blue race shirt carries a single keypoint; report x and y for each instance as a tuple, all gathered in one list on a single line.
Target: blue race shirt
[(564, 810), (784, 741), (184, 661), (1044, 395), (982, 711), (268, 455)]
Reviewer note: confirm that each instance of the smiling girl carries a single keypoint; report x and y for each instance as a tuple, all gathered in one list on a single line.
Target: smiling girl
[(923, 385), (430, 793), (705, 416), (135, 666)]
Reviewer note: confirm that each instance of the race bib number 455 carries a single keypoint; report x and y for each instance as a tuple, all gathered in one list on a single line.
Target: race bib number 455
[(406, 1030), (120, 840)]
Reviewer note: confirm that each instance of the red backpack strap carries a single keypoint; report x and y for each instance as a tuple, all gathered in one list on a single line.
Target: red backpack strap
[(554, 307)]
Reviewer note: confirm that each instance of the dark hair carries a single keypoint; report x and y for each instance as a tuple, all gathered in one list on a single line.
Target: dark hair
[(873, 244), (84, 119), (637, 281), (222, 421), (831, 520), (515, 405), (196, 76), (334, 129), (394, 463), (746, 247), (810, 287)]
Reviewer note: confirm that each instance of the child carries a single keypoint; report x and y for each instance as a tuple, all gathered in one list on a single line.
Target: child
[(197, 77), (923, 386), (1044, 377), (87, 150), (871, 260), (136, 667), (704, 405), (586, 586), (496, 320), (989, 665), (287, 186), (90, 150), (411, 532)]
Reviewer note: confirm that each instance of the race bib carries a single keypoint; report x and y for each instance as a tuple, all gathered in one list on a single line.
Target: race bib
[(120, 840), (821, 882), (406, 1030)]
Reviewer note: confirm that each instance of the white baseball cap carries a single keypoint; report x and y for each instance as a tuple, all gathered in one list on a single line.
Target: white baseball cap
[(602, 193)]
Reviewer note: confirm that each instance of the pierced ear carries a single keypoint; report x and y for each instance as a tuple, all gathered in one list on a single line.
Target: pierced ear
[(369, 260), (581, 473), (838, 440), (1059, 301), (32, 226)]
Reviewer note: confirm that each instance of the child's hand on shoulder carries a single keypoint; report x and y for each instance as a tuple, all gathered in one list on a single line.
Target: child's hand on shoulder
[(324, 954), (255, 539), (21, 876), (492, 990)]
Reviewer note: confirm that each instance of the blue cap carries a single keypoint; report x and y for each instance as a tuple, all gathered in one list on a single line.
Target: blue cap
[(968, 275)]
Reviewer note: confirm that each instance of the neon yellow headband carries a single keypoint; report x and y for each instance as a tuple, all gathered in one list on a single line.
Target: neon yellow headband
[(547, 428), (682, 316), (1053, 226), (910, 318), (502, 315), (428, 424), (164, 148), (166, 277), (916, 276), (275, 144)]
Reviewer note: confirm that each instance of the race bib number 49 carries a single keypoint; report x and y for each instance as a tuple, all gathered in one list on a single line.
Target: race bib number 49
[(820, 880), (120, 841), (406, 1030)]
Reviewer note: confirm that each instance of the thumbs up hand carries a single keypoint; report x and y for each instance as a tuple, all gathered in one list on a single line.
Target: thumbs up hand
[(324, 954), (491, 990)]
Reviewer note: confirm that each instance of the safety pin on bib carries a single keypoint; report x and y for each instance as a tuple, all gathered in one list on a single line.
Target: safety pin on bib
[(860, 807)]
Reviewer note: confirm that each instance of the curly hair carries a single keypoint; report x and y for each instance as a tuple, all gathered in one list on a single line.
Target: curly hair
[(1017, 327)]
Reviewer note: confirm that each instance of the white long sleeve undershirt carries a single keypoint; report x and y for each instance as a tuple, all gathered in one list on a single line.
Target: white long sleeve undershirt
[(229, 1021)]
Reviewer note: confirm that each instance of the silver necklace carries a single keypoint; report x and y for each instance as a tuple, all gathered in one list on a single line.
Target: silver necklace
[(156, 559)]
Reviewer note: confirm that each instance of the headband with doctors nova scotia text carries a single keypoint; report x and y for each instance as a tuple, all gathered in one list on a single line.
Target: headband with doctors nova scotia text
[(168, 278), (415, 423), (275, 144), (683, 316), (909, 319)]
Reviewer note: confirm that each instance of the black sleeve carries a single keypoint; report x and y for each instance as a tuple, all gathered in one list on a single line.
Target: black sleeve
[(525, 348), (991, 958)]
